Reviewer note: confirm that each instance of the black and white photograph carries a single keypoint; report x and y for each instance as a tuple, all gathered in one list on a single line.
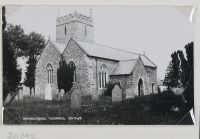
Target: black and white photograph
[(98, 65)]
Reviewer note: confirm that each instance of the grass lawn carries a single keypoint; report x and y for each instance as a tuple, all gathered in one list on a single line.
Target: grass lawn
[(137, 111)]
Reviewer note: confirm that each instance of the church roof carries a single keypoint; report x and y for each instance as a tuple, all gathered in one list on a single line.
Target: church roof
[(124, 67), (107, 52), (102, 51), (60, 46)]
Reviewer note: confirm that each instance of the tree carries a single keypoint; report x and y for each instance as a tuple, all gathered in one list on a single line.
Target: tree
[(183, 69), (3, 18), (172, 73), (30, 74), (189, 89), (65, 75), (11, 73), (18, 39), (168, 76), (180, 73), (36, 44)]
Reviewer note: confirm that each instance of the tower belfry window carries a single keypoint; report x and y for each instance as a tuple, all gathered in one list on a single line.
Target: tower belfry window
[(65, 30), (85, 30)]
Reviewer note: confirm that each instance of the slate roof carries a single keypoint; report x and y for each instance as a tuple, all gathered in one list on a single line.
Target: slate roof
[(107, 52), (102, 51), (60, 46), (123, 67)]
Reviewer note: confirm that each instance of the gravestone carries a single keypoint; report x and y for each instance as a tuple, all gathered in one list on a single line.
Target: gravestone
[(32, 91), (61, 94), (48, 92), (129, 93), (20, 94), (116, 94), (75, 99), (26, 91), (95, 95)]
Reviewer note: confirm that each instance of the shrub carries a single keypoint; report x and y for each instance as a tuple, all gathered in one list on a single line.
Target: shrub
[(109, 87), (165, 101)]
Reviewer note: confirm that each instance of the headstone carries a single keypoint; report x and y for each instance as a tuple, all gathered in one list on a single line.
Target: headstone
[(129, 93), (48, 92), (32, 91), (20, 94), (75, 99), (61, 94), (26, 91), (116, 94), (95, 95)]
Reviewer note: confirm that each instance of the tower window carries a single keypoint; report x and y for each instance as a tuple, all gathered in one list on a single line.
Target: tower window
[(65, 30), (85, 30)]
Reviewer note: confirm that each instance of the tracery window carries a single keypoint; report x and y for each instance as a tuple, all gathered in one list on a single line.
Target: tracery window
[(73, 66), (103, 76), (50, 73)]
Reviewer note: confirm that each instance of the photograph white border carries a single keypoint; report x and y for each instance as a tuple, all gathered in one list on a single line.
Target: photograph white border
[(108, 131)]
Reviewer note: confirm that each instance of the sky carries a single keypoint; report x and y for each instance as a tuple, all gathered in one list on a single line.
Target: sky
[(156, 31)]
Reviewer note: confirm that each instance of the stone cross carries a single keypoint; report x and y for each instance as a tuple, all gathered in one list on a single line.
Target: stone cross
[(75, 99), (116, 94), (48, 92)]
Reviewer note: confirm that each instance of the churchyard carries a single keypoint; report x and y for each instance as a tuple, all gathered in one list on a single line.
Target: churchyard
[(74, 109)]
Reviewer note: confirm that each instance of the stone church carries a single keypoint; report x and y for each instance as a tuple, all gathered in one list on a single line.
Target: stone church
[(96, 64)]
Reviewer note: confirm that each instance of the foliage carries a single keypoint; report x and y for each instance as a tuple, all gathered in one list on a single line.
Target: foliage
[(109, 87), (189, 89), (30, 73), (18, 39), (139, 110), (180, 73), (11, 73), (165, 101), (34, 48), (172, 75), (65, 75), (3, 17)]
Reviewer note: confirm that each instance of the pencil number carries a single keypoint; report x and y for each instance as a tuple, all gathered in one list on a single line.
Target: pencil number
[(12, 135)]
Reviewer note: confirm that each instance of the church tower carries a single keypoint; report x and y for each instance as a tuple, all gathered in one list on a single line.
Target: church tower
[(75, 25)]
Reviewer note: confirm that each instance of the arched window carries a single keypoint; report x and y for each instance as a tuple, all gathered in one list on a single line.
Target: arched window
[(140, 87), (73, 67), (153, 88), (50, 73), (103, 76)]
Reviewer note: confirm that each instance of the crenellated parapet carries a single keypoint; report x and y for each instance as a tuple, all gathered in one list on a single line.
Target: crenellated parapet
[(75, 17)]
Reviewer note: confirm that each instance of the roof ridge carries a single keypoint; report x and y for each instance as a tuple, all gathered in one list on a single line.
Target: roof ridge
[(103, 45), (127, 60)]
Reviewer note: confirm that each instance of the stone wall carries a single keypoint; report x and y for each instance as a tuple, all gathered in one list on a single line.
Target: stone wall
[(77, 26), (51, 56), (94, 65), (87, 68), (75, 54), (140, 72), (131, 81), (152, 72)]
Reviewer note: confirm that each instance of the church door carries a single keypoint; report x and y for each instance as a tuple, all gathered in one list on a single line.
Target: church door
[(140, 88)]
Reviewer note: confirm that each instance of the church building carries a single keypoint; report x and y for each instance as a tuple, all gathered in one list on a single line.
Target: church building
[(96, 64)]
